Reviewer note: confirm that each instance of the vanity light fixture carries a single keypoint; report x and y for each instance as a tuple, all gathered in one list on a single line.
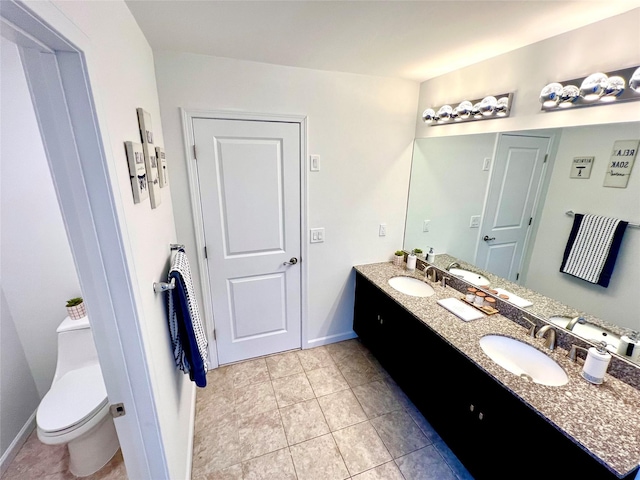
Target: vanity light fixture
[(596, 89), (492, 106)]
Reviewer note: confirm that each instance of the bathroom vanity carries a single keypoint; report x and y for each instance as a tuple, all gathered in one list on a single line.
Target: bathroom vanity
[(498, 424)]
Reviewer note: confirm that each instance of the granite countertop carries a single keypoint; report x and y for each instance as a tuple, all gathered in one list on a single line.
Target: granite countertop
[(603, 420)]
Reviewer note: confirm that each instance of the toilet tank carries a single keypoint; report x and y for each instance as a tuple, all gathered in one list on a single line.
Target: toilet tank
[(76, 347)]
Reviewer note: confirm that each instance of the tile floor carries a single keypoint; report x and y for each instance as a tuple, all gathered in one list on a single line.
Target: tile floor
[(328, 413)]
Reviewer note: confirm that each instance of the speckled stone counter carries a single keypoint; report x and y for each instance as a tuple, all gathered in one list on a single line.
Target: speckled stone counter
[(603, 420)]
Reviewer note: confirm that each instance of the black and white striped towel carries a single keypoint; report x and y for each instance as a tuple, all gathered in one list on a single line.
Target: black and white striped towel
[(592, 248), (181, 272)]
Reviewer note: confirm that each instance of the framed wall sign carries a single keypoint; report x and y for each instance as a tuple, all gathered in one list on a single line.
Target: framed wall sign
[(621, 162), (163, 175), (581, 167), (137, 171), (150, 160)]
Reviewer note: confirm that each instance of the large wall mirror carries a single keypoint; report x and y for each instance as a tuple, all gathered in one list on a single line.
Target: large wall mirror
[(499, 202)]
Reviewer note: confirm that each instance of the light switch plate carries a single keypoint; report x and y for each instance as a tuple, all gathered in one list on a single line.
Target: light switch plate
[(425, 225), (486, 164), (314, 163), (475, 221), (382, 231), (316, 235)]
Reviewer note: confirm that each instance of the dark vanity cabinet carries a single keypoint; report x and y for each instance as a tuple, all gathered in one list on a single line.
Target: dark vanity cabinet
[(493, 433)]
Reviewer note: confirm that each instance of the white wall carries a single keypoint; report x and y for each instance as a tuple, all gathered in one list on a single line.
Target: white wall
[(448, 186), (121, 72), (608, 45), (619, 303), (361, 126), (36, 266)]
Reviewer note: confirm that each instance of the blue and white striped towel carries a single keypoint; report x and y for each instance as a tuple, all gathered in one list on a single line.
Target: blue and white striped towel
[(592, 248)]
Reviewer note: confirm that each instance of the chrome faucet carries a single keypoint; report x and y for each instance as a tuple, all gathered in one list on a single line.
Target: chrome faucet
[(550, 342), (573, 322), (426, 273), (453, 265), (532, 328)]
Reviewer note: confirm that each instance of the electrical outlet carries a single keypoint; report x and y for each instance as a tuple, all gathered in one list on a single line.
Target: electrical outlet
[(314, 163), (382, 231), (317, 235), (486, 164), (425, 225), (475, 221)]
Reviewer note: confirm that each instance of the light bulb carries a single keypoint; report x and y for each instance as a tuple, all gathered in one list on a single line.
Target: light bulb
[(428, 116), (550, 95), (569, 95), (593, 86)]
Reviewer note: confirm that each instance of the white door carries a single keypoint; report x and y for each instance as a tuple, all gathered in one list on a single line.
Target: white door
[(513, 192), (249, 177)]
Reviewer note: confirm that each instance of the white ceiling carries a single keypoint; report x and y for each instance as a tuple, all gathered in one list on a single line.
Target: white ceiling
[(416, 40)]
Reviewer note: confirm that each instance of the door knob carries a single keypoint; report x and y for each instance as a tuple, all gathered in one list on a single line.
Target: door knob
[(292, 261), (487, 238)]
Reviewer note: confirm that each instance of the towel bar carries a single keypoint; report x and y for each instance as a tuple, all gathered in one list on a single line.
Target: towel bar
[(571, 213), (164, 286)]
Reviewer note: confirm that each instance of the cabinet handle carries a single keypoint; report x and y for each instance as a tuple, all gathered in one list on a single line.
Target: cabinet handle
[(480, 416), (380, 319)]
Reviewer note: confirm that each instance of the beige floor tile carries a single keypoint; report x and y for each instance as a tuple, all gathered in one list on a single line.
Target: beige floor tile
[(425, 464), (315, 358), (341, 409), (283, 365), (319, 459), (260, 434), (303, 421), (424, 425), (387, 471), (292, 389), (35, 460), (230, 473), (376, 399), (272, 466), (361, 447), (113, 470), (218, 380), (340, 350), (216, 449), (217, 409), (399, 433), (254, 399), (326, 380), (249, 372), (398, 393), (357, 370)]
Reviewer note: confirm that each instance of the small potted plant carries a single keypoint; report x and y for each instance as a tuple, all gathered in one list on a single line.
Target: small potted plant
[(398, 258), (76, 309), (418, 253)]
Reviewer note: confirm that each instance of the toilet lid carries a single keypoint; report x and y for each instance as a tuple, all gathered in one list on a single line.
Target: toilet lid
[(76, 396)]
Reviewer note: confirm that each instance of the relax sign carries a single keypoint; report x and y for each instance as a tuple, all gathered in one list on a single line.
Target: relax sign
[(621, 163)]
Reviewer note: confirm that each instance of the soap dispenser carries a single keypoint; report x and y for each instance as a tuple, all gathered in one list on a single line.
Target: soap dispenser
[(411, 261), (431, 256), (596, 364), (630, 346)]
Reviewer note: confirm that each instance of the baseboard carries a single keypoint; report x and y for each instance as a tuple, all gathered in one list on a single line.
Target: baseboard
[(192, 431), (11, 452), (338, 337)]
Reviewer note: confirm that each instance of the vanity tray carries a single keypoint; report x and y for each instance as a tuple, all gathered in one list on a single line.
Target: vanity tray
[(484, 309)]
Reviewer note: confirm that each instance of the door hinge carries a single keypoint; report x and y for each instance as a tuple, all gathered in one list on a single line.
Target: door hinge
[(195, 156), (214, 334), (517, 276), (546, 157), (530, 220), (205, 252), (117, 410)]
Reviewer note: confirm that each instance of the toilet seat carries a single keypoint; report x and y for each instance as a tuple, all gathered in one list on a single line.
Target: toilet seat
[(72, 401)]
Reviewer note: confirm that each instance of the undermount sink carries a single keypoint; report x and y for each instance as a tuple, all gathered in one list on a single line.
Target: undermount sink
[(411, 286), (471, 277), (589, 331), (523, 360)]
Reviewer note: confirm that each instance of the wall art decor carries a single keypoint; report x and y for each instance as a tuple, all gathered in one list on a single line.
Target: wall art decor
[(581, 167), (163, 175), (150, 160), (137, 171), (621, 163)]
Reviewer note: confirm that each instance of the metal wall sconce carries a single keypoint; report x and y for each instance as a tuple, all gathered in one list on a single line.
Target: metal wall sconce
[(486, 108), (596, 89)]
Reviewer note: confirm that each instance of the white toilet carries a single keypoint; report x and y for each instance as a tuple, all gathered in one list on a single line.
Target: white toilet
[(75, 410)]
